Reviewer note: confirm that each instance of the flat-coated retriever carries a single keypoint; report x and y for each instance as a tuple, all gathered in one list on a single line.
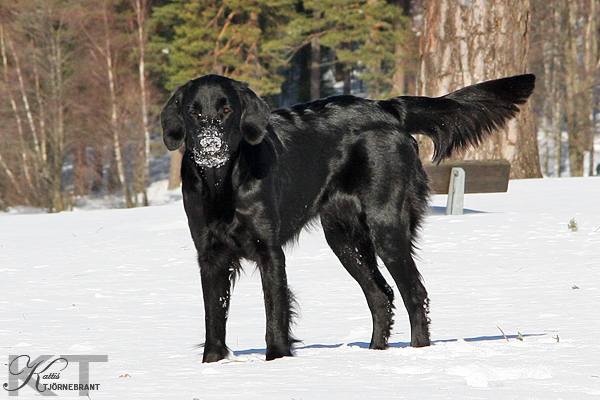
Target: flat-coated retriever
[(252, 179)]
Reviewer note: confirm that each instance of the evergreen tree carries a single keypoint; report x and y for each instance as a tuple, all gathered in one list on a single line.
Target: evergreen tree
[(237, 38), (361, 33)]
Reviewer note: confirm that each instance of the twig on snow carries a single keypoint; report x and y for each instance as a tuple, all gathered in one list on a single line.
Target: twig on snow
[(503, 334)]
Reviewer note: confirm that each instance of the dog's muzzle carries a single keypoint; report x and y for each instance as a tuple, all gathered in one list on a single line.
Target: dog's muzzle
[(210, 150)]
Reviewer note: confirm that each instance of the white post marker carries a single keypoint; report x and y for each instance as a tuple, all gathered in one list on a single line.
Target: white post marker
[(456, 192)]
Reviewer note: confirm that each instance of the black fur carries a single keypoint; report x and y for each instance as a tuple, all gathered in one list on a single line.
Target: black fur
[(351, 161)]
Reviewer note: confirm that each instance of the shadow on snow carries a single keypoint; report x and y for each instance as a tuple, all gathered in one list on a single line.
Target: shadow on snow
[(365, 345), (440, 210)]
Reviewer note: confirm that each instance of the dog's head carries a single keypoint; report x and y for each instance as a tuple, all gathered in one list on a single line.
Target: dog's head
[(215, 116)]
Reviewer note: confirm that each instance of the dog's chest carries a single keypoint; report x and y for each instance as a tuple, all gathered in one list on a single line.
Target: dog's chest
[(242, 233)]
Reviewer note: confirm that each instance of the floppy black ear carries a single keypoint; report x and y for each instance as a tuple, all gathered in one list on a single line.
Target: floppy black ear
[(172, 122), (255, 115), (259, 158)]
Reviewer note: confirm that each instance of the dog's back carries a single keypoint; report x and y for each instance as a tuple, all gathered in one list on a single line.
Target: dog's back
[(349, 146), (336, 147)]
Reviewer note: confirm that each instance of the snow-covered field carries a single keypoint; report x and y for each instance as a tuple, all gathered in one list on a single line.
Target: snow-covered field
[(124, 283)]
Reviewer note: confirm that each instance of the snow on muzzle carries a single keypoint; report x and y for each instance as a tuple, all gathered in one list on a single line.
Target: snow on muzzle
[(210, 150)]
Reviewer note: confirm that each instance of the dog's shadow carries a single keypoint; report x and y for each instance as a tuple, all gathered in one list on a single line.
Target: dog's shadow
[(365, 345)]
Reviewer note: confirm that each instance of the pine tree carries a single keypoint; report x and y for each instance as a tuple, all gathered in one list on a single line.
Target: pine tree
[(237, 38), (361, 33)]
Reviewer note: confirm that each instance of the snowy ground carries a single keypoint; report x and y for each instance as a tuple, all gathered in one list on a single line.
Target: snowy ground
[(124, 283)]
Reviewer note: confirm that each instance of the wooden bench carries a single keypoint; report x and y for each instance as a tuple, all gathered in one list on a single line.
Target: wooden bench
[(455, 178)]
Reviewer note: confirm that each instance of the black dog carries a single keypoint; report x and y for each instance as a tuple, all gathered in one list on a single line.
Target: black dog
[(253, 179)]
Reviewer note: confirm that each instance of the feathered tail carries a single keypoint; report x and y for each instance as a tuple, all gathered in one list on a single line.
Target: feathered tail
[(464, 117)]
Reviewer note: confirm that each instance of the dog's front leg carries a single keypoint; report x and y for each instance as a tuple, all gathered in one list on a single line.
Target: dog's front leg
[(216, 288), (278, 302)]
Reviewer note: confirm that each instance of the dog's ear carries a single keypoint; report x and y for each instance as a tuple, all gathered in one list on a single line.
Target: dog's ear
[(259, 158), (255, 115), (172, 121)]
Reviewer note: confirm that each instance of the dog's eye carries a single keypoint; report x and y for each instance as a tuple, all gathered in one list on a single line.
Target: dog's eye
[(226, 110)]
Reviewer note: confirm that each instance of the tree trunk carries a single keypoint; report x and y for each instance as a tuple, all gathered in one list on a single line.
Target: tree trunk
[(114, 119), (80, 169), (556, 37), (581, 58), (315, 69), (175, 169), (465, 42), (42, 114), (96, 161), (10, 174), (140, 7), (13, 103), (57, 145), (399, 76), (347, 71)]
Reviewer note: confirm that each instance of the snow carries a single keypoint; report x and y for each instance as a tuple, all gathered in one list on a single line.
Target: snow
[(124, 283)]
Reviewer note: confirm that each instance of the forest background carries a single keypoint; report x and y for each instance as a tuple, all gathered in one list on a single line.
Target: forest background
[(82, 82)]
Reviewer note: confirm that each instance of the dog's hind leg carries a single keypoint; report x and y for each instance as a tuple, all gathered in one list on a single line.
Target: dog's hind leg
[(393, 245), (349, 239)]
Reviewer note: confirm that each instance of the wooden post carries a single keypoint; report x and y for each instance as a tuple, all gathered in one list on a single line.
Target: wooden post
[(456, 192)]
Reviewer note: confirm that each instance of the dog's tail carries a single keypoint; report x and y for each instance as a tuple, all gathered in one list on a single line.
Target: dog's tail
[(464, 117)]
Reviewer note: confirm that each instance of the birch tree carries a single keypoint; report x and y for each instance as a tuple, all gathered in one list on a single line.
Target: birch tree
[(75, 102), (105, 49), (568, 61), (37, 96), (141, 9), (19, 123), (581, 66)]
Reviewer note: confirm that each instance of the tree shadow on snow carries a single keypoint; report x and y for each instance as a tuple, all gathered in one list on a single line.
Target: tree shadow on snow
[(473, 339), (238, 353), (490, 338), (365, 345), (312, 346)]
